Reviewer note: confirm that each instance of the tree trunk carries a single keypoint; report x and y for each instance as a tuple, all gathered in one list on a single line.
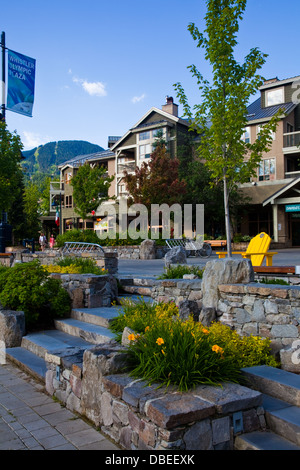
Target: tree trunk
[(227, 216)]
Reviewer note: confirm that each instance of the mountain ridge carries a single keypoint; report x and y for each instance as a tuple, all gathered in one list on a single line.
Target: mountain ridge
[(46, 158)]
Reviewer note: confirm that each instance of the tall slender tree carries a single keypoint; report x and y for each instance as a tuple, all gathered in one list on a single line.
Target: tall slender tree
[(90, 188), (221, 117)]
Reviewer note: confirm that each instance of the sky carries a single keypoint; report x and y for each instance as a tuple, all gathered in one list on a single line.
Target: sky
[(101, 65)]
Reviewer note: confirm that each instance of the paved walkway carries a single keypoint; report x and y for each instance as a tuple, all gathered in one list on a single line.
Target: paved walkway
[(31, 420)]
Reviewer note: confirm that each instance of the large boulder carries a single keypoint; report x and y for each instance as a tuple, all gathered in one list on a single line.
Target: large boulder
[(217, 272), (176, 255), (147, 249), (12, 328)]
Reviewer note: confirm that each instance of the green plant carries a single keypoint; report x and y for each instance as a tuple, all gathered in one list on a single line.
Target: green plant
[(281, 282), (28, 288), (166, 350), (177, 272), (81, 265), (140, 314)]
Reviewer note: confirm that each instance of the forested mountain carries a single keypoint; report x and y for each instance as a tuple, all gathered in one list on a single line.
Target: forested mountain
[(46, 158)]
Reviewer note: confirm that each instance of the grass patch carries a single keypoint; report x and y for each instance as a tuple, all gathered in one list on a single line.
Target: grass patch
[(177, 272)]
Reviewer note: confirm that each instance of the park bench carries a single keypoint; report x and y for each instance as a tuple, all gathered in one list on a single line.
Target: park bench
[(257, 250), (217, 243)]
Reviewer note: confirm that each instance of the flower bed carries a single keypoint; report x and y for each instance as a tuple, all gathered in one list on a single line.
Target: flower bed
[(165, 349)]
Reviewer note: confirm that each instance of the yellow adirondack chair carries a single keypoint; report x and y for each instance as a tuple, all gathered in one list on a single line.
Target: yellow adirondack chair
[(257, 250)]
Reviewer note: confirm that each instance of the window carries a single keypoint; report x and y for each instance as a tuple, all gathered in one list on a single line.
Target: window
[(68, 201), (272, 134), (274, 97), (266, 170), (246, 135), (144, 135), (145, 151)]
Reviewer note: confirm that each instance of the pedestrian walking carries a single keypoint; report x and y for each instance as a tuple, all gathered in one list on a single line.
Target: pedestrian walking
[(42, 241)]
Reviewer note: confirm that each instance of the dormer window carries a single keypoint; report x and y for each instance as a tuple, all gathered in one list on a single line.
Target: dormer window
[(275, 96)]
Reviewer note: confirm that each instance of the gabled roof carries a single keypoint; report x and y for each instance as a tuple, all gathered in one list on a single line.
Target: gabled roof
[(81, 159), (256, 112), (281, 191), (139, 124)]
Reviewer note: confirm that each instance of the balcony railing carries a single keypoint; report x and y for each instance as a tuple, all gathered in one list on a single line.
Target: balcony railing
[(56, 186), (129, 166), (291, 139)]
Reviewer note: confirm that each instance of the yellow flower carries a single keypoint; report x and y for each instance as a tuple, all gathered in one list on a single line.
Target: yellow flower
[(147, 328), (205, 331), (131, 337), (159, 341), (163, 352), (217, 349)]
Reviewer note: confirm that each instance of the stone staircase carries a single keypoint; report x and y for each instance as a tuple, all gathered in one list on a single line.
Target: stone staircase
[(87, 327), (281, 402)]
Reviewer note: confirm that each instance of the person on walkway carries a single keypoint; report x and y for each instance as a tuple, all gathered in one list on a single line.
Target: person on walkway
[(51, 242), (42, 241)]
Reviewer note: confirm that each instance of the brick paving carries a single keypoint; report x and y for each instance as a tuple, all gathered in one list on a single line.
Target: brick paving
[(31, 420)]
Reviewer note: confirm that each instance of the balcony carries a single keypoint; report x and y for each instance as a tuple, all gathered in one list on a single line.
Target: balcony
[(291, 142), (126, 166), (56, 187)]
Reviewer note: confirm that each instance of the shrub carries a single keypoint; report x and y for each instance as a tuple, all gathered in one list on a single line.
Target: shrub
[(170, 351), (177, 272), (28, 288), (80, 265)]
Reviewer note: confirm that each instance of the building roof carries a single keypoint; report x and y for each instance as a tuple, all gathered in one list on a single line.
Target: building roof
[(256, 112), (261, 193), (81, 159), (140, 123)]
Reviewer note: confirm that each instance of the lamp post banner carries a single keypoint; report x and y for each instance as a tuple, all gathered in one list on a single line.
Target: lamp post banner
[(20, 83)]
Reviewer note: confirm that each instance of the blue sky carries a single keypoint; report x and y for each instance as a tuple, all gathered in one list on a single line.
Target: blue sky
[(101, 65)]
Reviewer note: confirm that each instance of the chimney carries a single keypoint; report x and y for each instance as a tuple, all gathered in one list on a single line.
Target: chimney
[(170, 107)]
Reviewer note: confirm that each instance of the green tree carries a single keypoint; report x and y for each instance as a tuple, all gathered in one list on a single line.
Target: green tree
[(90, 188), (10, 168), (221, 117), (32, 209)]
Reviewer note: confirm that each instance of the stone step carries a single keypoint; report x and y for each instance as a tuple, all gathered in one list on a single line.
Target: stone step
[(277, 383), (28, 362), (48, 341), (263, 441), (140, 290), (101, 316), (92, 333), (134, 298), (282, 418)]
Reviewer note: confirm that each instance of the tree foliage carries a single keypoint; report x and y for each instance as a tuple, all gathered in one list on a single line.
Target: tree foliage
[(90, 188), (10, 168), (156, 181), (221, 117)]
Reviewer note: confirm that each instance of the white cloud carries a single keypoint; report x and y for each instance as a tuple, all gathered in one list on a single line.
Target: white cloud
[(32, 140), (137, 99), (92, 88)]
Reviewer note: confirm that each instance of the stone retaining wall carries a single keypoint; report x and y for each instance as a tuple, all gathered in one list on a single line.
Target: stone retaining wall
[(107, 260), (89, 291), (133, 251), (142, 417), (266, 310)]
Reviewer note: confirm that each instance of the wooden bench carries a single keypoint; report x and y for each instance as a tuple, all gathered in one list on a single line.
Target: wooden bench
[(214, 243), (274, 269)]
